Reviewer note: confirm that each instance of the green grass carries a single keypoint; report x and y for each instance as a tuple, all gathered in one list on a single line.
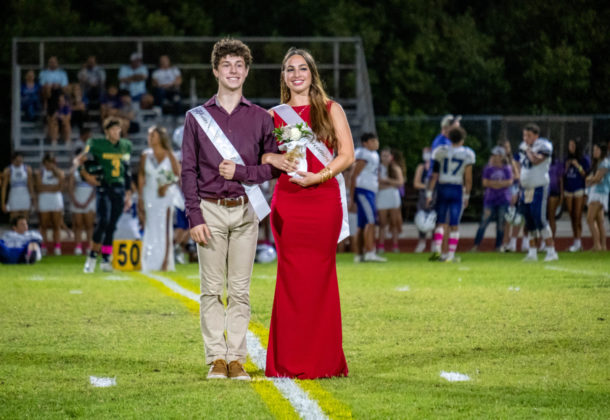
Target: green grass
[(541, 351)]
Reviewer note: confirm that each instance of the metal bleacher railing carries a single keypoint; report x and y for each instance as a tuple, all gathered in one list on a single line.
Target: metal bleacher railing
[(341, 63)]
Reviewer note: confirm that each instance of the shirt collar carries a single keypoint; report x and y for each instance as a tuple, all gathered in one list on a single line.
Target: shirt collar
[(214, 101)]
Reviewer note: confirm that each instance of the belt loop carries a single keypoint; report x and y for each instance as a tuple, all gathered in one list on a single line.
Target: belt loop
[(218, 202)]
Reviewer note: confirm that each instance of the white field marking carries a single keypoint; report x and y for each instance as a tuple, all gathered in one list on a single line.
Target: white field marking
[(37, 278), (76, 292), (454, 376), (584, 272), (463, 268), (306, 407), (192, 276), (102, 382), (263, 276), (114, 277), (514, 288), (459, 279), (403, 289)]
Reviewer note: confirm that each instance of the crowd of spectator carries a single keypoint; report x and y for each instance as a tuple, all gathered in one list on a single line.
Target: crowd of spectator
[(63, 104)]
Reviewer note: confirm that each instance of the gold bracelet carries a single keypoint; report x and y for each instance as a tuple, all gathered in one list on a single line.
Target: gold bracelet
[(326, 174)]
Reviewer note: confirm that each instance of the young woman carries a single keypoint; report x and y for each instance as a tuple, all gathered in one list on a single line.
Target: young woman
[(18, 182), (389, 203), (305, 338), (419, 183), (81, 190), (599, 183), (49, 180), (555, 192), (497, 181), (576, 169), (157, 177)]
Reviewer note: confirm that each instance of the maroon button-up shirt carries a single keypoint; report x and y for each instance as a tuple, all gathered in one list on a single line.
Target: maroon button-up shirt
[(250, 129)]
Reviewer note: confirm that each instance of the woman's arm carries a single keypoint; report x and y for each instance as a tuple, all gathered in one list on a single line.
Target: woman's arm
[(417, 184), (345, 150)]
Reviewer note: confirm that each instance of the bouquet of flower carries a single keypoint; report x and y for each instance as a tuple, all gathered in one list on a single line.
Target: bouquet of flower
[(293, 140), (166, 177)]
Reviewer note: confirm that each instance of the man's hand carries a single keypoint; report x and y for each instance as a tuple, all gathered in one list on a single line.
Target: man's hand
[(201, 234), (227, 169)]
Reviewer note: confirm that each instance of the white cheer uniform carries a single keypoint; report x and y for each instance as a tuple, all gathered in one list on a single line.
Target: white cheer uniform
[(50, 201), (82, 192), (19, 196)]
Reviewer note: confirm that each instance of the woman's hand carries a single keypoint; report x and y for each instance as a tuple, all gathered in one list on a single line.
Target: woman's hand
[(162, 190), (309, 179), (279, 161)]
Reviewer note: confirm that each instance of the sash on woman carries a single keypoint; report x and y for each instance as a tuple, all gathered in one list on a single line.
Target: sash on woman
[(226, 149), (321, 152)]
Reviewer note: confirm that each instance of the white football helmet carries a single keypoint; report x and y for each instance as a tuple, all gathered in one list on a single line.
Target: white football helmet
[(265, 254), (513, 217), (177, 137), (425, 220)]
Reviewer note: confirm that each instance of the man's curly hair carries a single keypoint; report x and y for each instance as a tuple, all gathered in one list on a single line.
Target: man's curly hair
[(229, 46)]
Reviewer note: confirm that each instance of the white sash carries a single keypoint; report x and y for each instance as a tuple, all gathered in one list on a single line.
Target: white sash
[(321, 152), (228, 151)]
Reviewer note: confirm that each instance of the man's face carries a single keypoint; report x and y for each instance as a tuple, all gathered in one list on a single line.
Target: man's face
[(52, 63), (22, 226), (91, 62), (371, 144), (114, 133), (529, 137), (164, 61), (231, 72)]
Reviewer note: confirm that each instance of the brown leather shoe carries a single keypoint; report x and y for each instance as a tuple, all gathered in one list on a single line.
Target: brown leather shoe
[(237, 371), (218, 370)]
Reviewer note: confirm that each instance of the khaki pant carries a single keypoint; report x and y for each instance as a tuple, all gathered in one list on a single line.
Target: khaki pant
[(226, 259)]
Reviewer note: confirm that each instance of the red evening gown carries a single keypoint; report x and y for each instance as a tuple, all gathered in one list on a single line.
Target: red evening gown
[(305, 339)]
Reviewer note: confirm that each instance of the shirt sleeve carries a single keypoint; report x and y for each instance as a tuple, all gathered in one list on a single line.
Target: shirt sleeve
[(64, 79), (257, 174), (190, 173)]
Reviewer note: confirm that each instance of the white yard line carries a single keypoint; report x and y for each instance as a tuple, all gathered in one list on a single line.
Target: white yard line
[(303, 404), (583, 272)]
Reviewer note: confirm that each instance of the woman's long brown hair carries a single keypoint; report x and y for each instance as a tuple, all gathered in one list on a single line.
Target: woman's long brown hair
[(321, 122), (163, 137)]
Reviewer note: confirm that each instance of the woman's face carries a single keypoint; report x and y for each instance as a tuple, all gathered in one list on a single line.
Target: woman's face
[(572, 146), (297, 74), (597, 152), (153, 138), (386, 157)]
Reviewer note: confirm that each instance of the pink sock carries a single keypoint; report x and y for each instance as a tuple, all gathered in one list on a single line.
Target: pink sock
[(437, 239), (454, 238), (57, 245), (107, 249)]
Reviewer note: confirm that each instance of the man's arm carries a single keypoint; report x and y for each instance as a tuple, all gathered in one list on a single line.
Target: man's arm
[(467, 184), (259, 173)]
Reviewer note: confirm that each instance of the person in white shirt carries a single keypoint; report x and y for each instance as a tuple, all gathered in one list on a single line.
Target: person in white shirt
[(363, 192), (452, 170), (19, 178), (535, 160), (20, 245), (166, 81), (49, 181), (133, 77)]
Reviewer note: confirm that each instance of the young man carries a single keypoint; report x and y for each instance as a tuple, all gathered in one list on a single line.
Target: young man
[(452, 170), (20, 245), (535, 159), (363, 192), (222, 144), (111, 155)]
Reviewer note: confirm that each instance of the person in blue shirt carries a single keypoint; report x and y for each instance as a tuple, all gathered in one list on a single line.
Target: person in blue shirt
[(20, 245), (599, 188), (576, 170), (30, 97)]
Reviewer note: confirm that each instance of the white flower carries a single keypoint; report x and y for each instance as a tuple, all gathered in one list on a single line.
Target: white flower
[(295, 134)]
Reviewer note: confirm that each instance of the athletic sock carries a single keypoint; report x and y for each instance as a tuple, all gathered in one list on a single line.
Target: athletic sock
[(532, 252), (454, 238), (513, 243), (93, 254), (437, 239), (106, 258)]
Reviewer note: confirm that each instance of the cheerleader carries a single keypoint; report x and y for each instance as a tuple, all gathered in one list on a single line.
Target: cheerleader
[(21, 193), (49, 180), (81, 190), (389, 203)]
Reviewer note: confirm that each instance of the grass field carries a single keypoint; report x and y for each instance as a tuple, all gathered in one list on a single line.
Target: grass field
[(533, 338)]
